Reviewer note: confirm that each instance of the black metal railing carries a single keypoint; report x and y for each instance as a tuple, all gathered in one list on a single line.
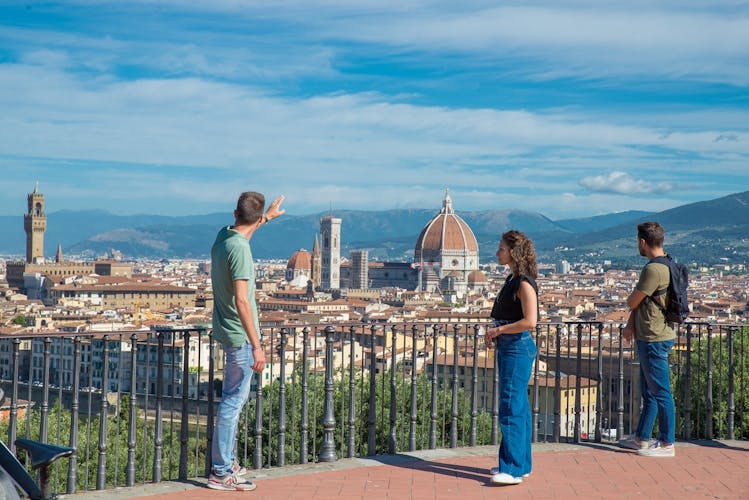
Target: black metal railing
[(138, 407)]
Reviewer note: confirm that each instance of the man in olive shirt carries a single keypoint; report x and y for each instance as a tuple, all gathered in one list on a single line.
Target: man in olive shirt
[(236, 327), (654, 338)]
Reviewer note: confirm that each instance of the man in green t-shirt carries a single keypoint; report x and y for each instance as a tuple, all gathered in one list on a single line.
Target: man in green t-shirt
[(236, 327), (654, 338)]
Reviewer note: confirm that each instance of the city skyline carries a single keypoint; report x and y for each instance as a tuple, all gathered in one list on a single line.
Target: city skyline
[(569, 110)]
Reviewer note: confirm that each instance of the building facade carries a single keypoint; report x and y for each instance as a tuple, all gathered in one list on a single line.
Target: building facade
[(359, 269)]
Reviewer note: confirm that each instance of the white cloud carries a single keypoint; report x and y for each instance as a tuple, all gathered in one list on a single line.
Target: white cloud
[(623, 183)]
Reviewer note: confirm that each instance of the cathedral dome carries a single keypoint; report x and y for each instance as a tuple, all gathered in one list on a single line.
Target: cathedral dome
[(477, 278), (446, 233), (301, 260)]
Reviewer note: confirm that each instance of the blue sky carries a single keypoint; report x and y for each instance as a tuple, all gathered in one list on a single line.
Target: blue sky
[(568, 108)]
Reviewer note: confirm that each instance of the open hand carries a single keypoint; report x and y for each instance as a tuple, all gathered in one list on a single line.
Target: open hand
[(274, 210)]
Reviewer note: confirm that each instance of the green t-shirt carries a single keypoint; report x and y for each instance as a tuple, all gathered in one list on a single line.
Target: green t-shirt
[(650, 321), (231, 260)]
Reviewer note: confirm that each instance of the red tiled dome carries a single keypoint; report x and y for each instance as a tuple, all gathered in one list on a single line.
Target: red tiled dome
[(477, 277), (446, 231), (301, 259)]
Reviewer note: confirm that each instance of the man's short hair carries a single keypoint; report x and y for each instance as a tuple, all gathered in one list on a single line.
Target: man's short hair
[(652, 233), (250, 207)]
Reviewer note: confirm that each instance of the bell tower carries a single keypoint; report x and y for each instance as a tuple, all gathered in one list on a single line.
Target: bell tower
[(330, 232), (35, 223)]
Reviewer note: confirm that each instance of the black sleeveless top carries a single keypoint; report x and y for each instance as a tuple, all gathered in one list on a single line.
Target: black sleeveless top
[(507, 306)]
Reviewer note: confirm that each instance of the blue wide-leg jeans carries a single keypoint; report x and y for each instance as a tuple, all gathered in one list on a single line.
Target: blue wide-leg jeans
[(236, 389), (655, 385), (514, 358)]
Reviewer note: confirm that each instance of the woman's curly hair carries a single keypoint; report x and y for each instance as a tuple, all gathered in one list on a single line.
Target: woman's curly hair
[(522, 253)]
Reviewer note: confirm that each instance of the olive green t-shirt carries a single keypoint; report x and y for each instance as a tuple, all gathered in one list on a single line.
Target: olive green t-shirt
[(650, 321), (231, 260)]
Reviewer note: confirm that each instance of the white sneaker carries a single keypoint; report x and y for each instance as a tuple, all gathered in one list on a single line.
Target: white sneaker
[(495, 470), (230, 482), (504, 478), (658, 449), (633, 443)]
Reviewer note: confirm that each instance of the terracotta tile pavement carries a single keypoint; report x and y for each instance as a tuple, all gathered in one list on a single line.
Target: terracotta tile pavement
[(708, 470)]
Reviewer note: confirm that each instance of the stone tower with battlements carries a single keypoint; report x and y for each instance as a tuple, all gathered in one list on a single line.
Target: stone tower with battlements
[(35, 223)]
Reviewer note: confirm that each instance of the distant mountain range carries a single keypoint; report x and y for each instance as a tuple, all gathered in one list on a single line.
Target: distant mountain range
[(705, 232)]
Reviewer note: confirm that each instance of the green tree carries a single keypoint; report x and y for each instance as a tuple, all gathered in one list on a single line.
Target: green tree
[(714, 353)]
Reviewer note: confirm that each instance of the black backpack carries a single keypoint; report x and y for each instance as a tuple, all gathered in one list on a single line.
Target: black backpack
[(677, 308)]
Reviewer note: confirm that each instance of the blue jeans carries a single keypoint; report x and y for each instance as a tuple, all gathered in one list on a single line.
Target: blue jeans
[(514, 361), (236, 389), (655, 384)]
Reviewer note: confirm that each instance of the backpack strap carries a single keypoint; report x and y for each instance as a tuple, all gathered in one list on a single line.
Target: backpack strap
[(666, 261)]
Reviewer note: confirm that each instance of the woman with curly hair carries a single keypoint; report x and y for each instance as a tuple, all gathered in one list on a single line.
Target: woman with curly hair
[(515, 314)]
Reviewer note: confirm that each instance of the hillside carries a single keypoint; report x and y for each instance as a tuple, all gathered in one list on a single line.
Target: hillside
[(708, 231)]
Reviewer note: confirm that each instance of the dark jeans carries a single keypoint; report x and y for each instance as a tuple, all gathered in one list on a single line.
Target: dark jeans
[(655, 384), (514, 358)]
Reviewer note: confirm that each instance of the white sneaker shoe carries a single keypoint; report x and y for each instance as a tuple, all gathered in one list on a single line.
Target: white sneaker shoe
[(633, 443), (658, 449), (495, 470), (504, 478)]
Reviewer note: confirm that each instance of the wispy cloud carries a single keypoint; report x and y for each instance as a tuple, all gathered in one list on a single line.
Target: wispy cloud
[(623, 183)]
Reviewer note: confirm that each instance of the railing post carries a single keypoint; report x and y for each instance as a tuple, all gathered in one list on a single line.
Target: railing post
[(282, 398), (101, 476), (709, 385), (184, 423), (158, 425), (372, 409), (257, 461), (43, 426), (433, 412), (474, 386), (413, 415), (455, 382), (620, 385), (131, 433), (578, 371), (210, 422), (13, 424), (393, 389), (688, 388), (351, 392), (558, 388), (303, 449), (73, 441), (536, 396), (495, 392), (599, 390), (731, 385), (327, 450)]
